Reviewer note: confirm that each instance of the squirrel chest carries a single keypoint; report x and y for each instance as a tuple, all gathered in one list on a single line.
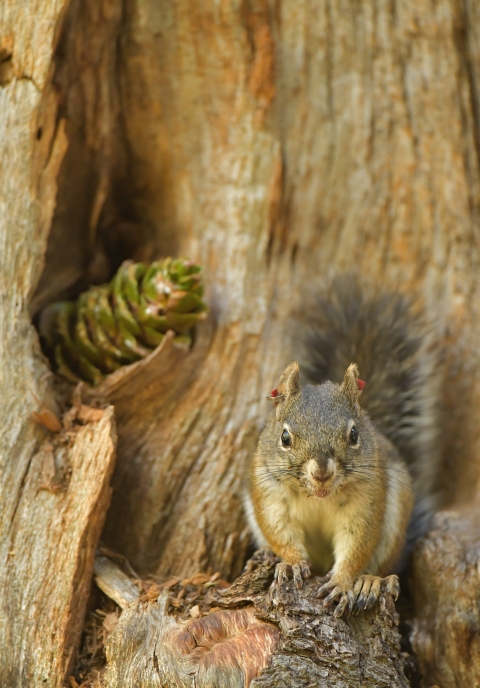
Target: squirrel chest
[(312, 524)]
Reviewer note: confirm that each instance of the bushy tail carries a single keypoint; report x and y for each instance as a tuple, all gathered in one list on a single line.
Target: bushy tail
[(388, 339)]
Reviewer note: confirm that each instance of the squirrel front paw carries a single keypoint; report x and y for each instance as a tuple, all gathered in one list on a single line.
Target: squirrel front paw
[(367, 590), (338, 587), (361, 596), (300, 572)]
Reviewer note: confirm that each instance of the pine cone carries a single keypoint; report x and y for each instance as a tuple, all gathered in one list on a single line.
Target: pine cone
[(121, 322)]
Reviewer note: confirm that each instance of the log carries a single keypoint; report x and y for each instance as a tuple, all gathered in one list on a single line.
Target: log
[(274, 143), (445, 633), (251, 635), (53, 489), (272, 156), (274, 147), (114, 582), (52, 538)]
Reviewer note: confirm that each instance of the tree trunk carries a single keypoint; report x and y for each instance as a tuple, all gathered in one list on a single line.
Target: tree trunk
[(54, 491), (272, 142), (248, 635), (445, 630)]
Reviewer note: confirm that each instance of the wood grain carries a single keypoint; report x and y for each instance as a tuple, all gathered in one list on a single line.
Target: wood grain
[(276, 145), (272, 142), (445, 630), (53, 536), (252, 636)]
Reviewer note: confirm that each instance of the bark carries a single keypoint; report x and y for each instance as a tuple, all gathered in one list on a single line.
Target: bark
[(251, 635), (213, 187), (273, 145), (273, 142), (52, 538), (54, 493), (445, 631)]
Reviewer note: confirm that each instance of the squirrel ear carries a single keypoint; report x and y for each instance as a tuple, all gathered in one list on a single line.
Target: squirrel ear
[(287, 385), (352, 386)]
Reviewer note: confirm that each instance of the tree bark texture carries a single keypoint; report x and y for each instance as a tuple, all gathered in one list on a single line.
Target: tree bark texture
[(54, 492), (274, 142), (250, 635), (52, 539), (446, 572)]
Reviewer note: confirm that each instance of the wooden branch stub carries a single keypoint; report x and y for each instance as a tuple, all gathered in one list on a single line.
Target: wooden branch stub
[(248, 635), (114, 583), (446, 573)]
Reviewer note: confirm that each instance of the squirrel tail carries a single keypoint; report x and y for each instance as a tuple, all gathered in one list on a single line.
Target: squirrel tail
[(388, 338)]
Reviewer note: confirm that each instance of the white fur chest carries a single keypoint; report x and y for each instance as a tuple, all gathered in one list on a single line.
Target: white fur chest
[(313, 523)]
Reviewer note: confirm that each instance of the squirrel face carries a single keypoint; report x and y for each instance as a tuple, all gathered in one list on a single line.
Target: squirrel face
[(320, 436)]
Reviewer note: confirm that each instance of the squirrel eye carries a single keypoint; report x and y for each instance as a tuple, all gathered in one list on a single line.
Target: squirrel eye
[(353, 435), (286, 439)]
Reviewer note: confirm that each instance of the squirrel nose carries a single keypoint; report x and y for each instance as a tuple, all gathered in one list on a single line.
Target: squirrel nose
[(323, 473)]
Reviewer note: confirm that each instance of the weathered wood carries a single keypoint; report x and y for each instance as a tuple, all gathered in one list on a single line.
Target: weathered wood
[(268, 154), (254, 636), (179, 476), (447, 618), (53, 534), (273, 143), (84, 73), (53, 495), (273, 147), (114, 583)]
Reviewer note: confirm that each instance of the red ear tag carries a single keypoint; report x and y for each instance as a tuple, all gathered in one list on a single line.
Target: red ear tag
[(360, 384), (275, 396)]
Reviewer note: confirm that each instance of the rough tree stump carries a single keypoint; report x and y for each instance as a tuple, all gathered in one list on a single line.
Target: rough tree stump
[(250, 635), (271, 142), (446, 629)]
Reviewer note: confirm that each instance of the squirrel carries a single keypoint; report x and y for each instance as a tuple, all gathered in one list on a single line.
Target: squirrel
[(335, 484)]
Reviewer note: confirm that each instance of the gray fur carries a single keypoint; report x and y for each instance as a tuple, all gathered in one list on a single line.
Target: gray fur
[(318, 417), (394, 350)]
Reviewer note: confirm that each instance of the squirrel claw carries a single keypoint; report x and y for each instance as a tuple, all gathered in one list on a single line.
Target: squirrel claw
[(392, 586), (342, 604), (300, 572), (330, 586), (362, 596), (280, 577), (370, 601), (367, 590), (305, 568), (326, 587), (351, 601), (346, 597), (333, 596)]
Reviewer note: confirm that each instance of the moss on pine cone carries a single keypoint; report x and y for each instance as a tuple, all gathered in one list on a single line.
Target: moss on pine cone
[(122, 322)]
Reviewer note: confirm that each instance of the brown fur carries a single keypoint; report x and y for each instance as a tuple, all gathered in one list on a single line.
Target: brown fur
[(327, 499)]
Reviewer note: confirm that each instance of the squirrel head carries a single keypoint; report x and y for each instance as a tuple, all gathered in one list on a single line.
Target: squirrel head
[(319, 436)]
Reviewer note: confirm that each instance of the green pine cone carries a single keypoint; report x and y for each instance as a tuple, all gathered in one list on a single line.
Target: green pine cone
[(121, 322)]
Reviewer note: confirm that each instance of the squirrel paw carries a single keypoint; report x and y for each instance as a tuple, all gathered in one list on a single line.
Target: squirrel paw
[(337, 589), (300, 571), (367, 589), (392, 586)]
